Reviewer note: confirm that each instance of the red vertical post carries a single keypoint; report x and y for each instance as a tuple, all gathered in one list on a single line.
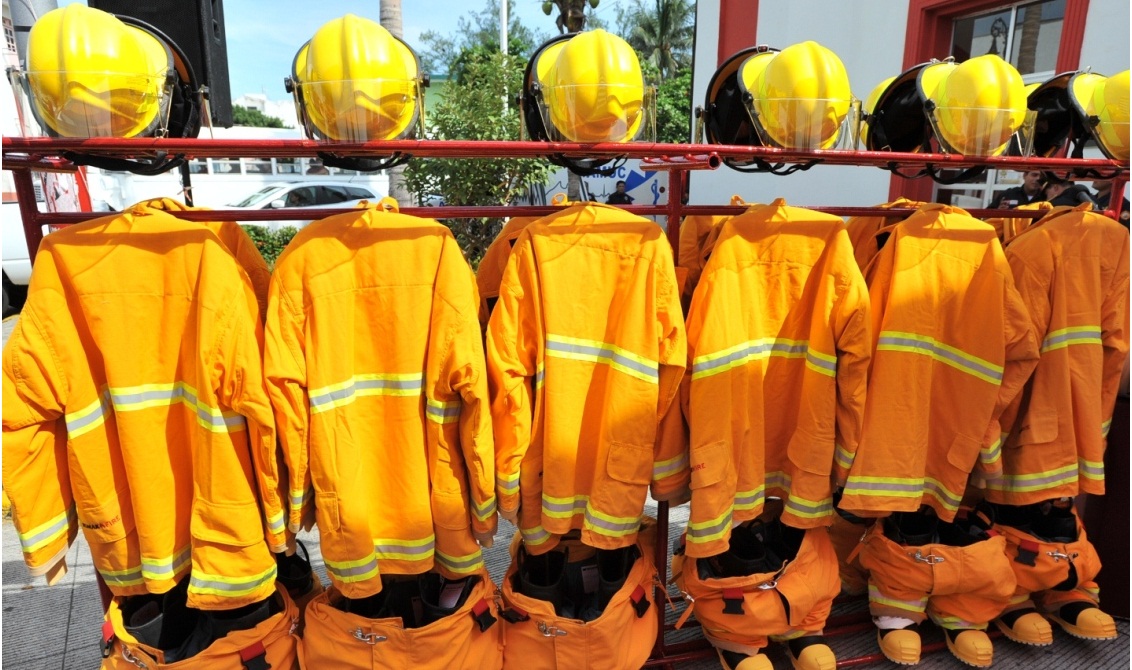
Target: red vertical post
[(1116, 197), (29, 210), (676, 180)]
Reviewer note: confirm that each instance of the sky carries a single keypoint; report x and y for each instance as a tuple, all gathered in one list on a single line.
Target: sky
[(263, 35)]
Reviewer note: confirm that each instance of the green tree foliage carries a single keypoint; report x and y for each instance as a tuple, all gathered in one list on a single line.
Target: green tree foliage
[(480, 106), (246, 116), (661, 31), (270, 242), (674, 108), (476, 35)]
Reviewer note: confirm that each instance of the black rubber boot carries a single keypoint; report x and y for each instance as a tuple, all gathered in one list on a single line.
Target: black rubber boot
[(541, 577), (295, 572), (433, 586), (161, 621)]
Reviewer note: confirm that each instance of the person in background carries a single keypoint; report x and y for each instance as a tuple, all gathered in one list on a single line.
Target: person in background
[(1104, 195), (1029, 191), (1064, 192), (316, 167), (619, 197)]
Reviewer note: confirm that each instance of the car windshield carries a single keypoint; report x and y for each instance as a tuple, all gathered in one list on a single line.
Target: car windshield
[(258, 196)]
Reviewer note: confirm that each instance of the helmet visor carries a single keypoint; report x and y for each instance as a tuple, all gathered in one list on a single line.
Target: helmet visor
[(598, 113), (981, 131), (806, 123), (359, 110), (95, 104)]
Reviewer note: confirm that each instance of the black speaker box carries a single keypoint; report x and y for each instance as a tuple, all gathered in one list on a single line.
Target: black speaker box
[(197, 26)]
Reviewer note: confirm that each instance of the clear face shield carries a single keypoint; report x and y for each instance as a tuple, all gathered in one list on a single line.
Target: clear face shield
[(359, 110), (597, 112), (806, 123)]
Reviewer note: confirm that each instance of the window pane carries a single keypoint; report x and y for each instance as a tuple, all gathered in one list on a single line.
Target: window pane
[(258, 165), (980, 35), (286, 166), (1037, 36)]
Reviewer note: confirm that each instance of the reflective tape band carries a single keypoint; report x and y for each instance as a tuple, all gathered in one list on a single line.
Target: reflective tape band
[(1064, 337), (88, 418), (229, 586), (166, 568), (275, 523), (1105, 427), (949, 499), (135, 398), (405, 550), (808, 509), (897, 487), (992, 453), (821, 363), (955, 623), (777, 480), (534, 536), (461, 564), (564, 508), (50, 531), (594, 351), (300, 498), (507, 484), (1034, 482), (711, 530), (540, 376), (748, 500), (875, 596), (761, 349), (483, 512), (610, 526), (669, 467), (1093, 470), (936, 350), (843, 457), (346, 392), (349, 572), (128, 577), (442, 412)]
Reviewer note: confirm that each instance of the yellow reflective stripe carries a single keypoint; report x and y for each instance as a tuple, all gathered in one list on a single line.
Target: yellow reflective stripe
[(808, 509), (441, 411), (843, 457), (275, 522), (147, 396), (1064, 337), (739, 355), (88, 418), (507, 483), (748, 500), (594, 351), (534, 536), (483, 512), (609, 525), (821, 363), (1105, 427), (1093, 470), (349, 572), (956, 623), (710, 530), (564, 508), (875, 596), (896, 487), (946, 497), (49, 531), (669, 467), (473, 562), (167, 567), (1034, 482), (540, 376), (405, 550), (990, 454), (231, 587), (950, 356), (407, 384)]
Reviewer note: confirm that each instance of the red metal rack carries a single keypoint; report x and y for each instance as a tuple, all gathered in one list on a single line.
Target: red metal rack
[(24, 155)]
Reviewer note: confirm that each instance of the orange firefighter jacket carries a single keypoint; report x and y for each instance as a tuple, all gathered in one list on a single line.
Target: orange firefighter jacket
[(236, 239), (134, 406), (375, 367), (1072, 271), (1009, 228), (694, 248), (952, 346), (585, 354), (864, 230), (778, 339)]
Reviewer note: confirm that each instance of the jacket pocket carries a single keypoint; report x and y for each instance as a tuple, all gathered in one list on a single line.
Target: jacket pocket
[(326, 511), (1039, 429), (709, 464), (815, 461), (450, 510), (232, 524), (106, 523), (964, 452), (629, 463)]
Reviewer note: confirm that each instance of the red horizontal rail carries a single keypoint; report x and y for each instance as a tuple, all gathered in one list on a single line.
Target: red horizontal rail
[(35, 147)]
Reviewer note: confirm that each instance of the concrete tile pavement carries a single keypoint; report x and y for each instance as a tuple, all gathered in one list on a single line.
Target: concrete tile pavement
[(58, 627)]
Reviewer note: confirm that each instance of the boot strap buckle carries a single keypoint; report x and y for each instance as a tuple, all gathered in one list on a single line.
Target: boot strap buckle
[(930, 559), (1058, 556), (129, 656), (550, 631), (368, 638)]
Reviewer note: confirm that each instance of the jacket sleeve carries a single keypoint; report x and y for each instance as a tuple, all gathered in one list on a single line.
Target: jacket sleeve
[(36, 478), (514, 359), (285, 370), (456, 403), (851, 323), (240, 386), (1025, 316), (670, 474), (1114, 336)]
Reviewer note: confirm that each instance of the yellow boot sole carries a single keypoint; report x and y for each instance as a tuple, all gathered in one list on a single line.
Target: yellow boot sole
[(1092, 624), (1031, 628), (973, 647), (900, 646)]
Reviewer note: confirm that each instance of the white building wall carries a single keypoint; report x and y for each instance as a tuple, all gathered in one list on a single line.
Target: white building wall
[(869, 39), (1105, 46)]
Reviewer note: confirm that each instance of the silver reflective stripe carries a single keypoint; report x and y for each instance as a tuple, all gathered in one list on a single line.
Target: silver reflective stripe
[(87, 418), (165, 568), (202, 584), (442, 412), (275, 524), (211, 417), (809, 508), (829, 367), (661, 469), (611, 526), (300, 499), (540, 376), (749, 499), (460, 564), (604, 352), (408, 550), (1091, 469), (855, 485), (354, 571), (715, 528), (122, 577), (1064, 337), (752, 350), (560, 507), (484, 511), (44, 534), (509, 485), (949, 499), (360, 386), (966, 361), (536, 535)]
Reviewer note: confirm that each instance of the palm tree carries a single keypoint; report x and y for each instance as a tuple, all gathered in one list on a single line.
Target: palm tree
[(571, 13), (390, 17), (664, 35)]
